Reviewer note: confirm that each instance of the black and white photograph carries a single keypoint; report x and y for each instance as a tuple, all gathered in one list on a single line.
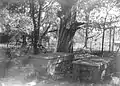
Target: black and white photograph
[(59, 42)]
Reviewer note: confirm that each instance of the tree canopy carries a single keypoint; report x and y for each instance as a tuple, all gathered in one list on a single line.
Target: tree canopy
[(45, 16)]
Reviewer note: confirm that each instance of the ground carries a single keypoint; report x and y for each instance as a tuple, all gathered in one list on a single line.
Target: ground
[(15, 76)]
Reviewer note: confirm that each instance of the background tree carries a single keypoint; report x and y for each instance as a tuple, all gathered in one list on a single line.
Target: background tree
[(105, 11), (43, 18), (36, 15)]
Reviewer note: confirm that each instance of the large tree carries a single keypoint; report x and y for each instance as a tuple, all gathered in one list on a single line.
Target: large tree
[(68, 26)]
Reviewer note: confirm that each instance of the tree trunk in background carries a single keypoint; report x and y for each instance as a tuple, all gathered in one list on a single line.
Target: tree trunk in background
[(91, 43), (86, 37), (24, 40), (113, 39), (32, 37), (32, 8), (86, 31), (110, 39), (36, 25), (103, 36), (35, 42)]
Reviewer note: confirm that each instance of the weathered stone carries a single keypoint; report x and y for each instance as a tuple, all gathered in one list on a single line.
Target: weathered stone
[(90, 68), (61, 63)]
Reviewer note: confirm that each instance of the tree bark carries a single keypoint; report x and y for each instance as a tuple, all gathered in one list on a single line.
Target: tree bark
[(36, 26), (103, 36), (68, 27), (86, 30), (65, 42), (24, 40), (35, 39), (110, 39), (39, 19), (113, 39), (86, 37), (35, 42), (65, 37), (66, 33)]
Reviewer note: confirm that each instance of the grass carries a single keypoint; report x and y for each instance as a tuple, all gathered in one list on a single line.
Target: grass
[(48, 81)]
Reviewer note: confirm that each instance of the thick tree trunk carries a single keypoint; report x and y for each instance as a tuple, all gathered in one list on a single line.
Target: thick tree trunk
[(65, 37), (65, 43), (68, 27)]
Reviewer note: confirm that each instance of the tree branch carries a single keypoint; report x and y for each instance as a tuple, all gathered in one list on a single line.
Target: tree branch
[(32, 13), (91, 36), (52, 31), (78, 28), (79, 23), (51, 2), (39, 15), (45, 32)]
